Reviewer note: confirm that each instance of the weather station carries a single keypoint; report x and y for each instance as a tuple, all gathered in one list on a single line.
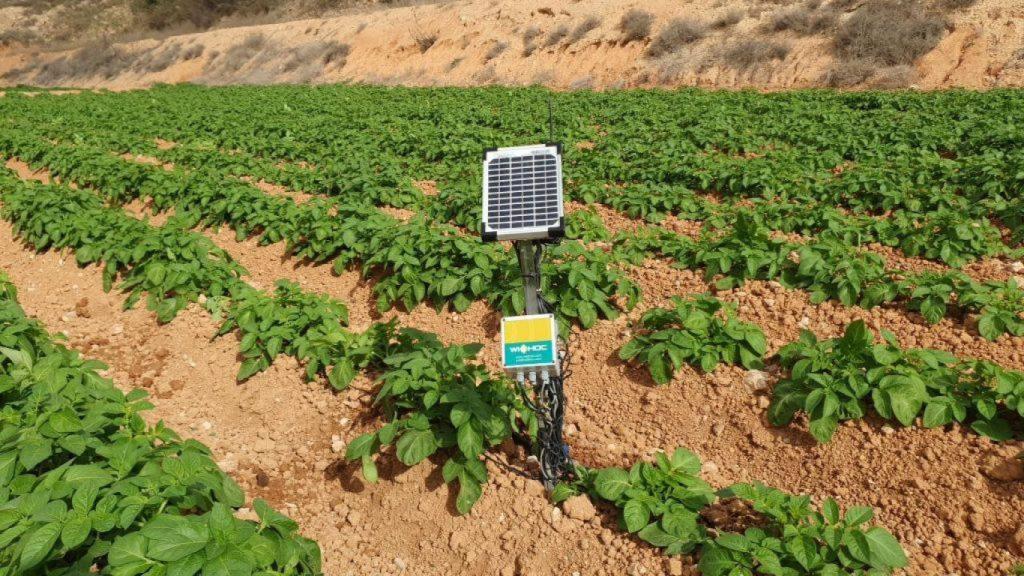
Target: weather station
[(523, 203)]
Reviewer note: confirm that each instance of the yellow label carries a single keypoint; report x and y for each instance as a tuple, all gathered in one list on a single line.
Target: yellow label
[(527, 330)]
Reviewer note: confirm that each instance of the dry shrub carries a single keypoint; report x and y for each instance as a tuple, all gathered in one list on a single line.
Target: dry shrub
[(677, 34), (556, 36), (192, 52), (97, 60), (20, 37), (894, 77), (530, 36), (589, 23), (728, 20), (424, 42), (495, 51), (237, 56), (165, 14), (157, 60), (845, 5), (636, 25), (546, 11), (335, 52), (845, 74), (582, 83), (957, 4), (749, 53), (803, 20), (890, 32)]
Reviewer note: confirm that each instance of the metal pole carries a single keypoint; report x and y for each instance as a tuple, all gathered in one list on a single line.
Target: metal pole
[(551, 451), (531, 276)]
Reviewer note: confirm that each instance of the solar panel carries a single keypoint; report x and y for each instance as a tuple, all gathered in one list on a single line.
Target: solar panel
[(522, 193)]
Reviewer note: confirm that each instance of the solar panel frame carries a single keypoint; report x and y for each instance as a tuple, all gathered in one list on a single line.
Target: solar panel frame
[(522, 193)]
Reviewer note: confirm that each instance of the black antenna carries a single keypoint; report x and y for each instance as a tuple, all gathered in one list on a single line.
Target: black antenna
[(551, 120)]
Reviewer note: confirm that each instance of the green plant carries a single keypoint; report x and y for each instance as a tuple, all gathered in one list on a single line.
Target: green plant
[(701, 332), (999, 304), (88, 486), (659, 501), (586, 225), (437, 399), (305, 326), (813, 542), (840, 379), (665, 504)]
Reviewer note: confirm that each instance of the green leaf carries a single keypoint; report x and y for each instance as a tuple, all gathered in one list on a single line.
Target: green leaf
[(76, 529), (996, 429), (470, 491), (610, 483), (128, 550), (636, 515), (804, 549), (886, 551), (715, 561), (471, 442), (415, 446), (174, 537), (830, 509), (35, 451), (655, 536), (857, 515), (38, 545), (342, 374)]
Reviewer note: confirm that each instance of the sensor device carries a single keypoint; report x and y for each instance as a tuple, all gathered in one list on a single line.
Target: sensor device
[(529, 343)]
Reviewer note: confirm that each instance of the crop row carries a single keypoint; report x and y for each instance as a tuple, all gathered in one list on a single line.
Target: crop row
[(867, 153), (944, 232), (429, 263), (831, 270), (435, 397), (86, 486), (413, 262), (837, 379)]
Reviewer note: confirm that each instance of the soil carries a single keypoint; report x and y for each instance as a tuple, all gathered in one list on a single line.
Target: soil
[(283, 438), (480, 42)]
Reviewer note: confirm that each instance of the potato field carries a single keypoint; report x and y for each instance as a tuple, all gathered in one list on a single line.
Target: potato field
[(254, 330)]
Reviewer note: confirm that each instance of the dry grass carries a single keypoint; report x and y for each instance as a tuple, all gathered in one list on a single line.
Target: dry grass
[(804, 20), (675, 35), (530, 36), (225, 67), (636, 25), (19, 37), (158, 59), (746, 54), (848, 73), (957, 4), (890, 32), (495, 51), (728, 20), (192, 52), (589, 23), (425, 41), (556, 36)]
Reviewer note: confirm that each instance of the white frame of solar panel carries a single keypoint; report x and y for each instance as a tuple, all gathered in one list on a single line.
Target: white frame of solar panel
[(552, 221)]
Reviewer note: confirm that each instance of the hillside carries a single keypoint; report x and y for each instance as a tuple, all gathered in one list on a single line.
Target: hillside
[(584, 44)]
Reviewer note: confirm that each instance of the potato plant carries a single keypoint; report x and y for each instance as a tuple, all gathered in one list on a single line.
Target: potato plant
[(437, 399), (86, 486), (842, 378), (700, 331)]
